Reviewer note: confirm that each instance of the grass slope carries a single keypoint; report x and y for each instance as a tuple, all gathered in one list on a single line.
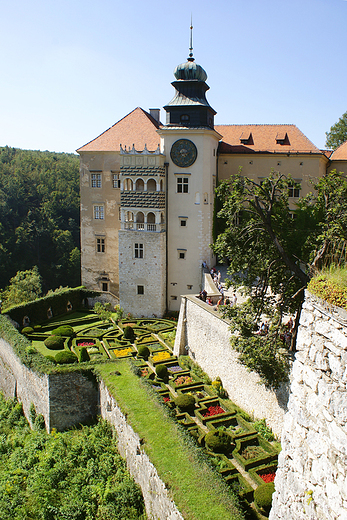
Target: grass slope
[(197, 490)]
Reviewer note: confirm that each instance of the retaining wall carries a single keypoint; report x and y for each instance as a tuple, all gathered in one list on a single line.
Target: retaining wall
[(311, 480), (205, 336), (156, 497)]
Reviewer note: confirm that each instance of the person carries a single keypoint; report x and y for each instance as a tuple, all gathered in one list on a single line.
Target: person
[(220, 302), (204, 264), (204, 295), (209, 301), (290, 324), (219, 276), (233, 300)]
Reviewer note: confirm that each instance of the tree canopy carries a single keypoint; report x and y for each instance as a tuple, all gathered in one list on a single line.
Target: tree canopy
[(272, 252), (39, 216), (337, 133)]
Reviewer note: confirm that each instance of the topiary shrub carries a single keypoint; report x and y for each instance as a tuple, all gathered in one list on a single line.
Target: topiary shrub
[(129, 334), (27, 330), (54, 342), (185, 403), (263, 496), (65, 357), (143, 351), (162, 372), (219, 441), (64, 330), (83, 355)]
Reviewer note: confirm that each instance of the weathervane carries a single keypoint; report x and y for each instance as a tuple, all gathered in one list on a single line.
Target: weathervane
[(191, 40)]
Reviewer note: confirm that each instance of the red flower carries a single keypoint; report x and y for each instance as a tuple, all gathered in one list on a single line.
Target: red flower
[(166, 399), (268, 477), (213, 410)]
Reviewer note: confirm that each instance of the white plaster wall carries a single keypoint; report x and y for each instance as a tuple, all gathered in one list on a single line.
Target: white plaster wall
[(203, 335), (158, 504)]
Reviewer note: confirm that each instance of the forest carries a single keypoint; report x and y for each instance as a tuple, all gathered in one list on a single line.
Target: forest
[(72, 475), (39, 216)]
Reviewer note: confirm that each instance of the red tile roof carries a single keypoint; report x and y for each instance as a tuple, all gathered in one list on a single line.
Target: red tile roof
[(138, 128), (265, 138), (340, 154)]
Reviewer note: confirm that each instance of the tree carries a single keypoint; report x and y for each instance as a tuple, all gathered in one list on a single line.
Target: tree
[(338, 133), (272, 257), (25, 286)]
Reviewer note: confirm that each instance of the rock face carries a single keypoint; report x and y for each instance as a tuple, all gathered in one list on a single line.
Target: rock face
[(311, 478)]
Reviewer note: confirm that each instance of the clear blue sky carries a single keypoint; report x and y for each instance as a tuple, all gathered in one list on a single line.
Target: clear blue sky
[(70, 69)]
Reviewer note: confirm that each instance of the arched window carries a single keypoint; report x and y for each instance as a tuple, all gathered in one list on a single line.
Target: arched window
[(151, 226), (140, 185), (151, 185), (128, 185), (161, 185), (140, 219)]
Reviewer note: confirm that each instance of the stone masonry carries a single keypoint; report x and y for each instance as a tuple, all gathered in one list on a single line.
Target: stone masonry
[(311, 480)]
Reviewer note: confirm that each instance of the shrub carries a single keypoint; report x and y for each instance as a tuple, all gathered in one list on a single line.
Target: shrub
[(129, 334), (83, 355), (162, 372), (263, 496), (219, 441), (54, 342), (143, 351), (185, 403), (27, 330), (64, 330), (39, 423), (65, 357)]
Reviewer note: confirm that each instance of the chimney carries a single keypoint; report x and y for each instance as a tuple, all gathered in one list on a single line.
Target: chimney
[(155, 113)]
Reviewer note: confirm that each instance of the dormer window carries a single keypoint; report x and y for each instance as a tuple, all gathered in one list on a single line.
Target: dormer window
[(246, 138), (185, 118), (282, 138)]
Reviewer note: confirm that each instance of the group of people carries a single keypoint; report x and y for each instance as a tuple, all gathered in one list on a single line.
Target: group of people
[(222, 302)]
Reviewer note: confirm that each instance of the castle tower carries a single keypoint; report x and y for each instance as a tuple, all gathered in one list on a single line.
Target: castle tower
[(190, 144), (142, 237)]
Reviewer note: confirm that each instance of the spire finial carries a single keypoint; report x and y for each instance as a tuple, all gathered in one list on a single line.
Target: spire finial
[(191, 40)]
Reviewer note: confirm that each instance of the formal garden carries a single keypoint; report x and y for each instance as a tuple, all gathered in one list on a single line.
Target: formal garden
[(241, 451)]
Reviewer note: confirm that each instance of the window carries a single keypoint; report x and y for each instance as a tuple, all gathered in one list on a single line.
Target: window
[(138, 250), (181, 254), (100, 245), (183, 223), (96, 180), (115, 180), (182, 184), (99, 212), (294, 190), (185, 118), (104, 286), (173, 297), (140, 289)]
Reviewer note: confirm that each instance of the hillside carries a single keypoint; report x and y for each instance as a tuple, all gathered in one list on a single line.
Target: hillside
[(39, 215)]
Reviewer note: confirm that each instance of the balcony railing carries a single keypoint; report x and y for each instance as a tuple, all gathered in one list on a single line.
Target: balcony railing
[(143, 226)]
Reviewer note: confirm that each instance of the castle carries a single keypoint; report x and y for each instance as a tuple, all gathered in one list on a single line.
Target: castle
[(147, 192)]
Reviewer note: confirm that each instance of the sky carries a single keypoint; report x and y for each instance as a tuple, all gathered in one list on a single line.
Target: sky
[(70, 69)]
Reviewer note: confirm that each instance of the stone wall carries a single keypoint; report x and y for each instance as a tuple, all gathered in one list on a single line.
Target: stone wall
[(157, 500), (311, 480), (64, 399), (205, 336)]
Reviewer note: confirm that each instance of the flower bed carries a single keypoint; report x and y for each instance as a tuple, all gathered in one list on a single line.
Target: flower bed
[(123, 352), (254, 451), (213, 410), (267, 477), (160, 356), (85, 344), (184, 380)]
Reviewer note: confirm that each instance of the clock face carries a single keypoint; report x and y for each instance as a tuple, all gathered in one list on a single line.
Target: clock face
[(183, 153)]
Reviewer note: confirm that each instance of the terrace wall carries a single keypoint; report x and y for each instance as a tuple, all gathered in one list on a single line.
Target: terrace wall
[(157, 501), (64, 399), (205, 336)]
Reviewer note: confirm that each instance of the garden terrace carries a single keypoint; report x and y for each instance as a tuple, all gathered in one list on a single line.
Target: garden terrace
[(107, 342)]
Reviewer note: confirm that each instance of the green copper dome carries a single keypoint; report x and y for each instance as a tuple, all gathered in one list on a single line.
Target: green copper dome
[(190, 71)]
